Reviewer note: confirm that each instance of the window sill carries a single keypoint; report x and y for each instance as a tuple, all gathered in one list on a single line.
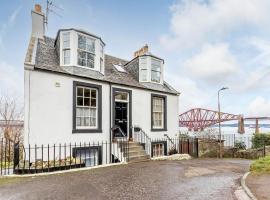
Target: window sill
[(87, 131), (158, 129)]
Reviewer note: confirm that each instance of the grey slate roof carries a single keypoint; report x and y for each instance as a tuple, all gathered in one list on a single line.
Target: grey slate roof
[(47, 59)]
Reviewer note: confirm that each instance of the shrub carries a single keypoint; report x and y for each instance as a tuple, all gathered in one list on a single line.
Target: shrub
[(259, 140), (240, 145)]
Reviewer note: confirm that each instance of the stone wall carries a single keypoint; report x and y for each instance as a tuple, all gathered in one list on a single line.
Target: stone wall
[(247, 154), (209, 148)]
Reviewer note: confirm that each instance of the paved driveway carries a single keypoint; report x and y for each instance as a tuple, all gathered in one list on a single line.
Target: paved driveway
[(202, 179)]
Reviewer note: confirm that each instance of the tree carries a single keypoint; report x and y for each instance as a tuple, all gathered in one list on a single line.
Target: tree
[(11, 119)]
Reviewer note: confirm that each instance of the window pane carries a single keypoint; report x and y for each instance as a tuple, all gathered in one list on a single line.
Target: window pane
[(66, 40), (81, 42), (80, 92), (93, 102), (86, 101), (93, 94), (121, 96), (155, 76), (86, 111), (66, 54), (79, 112), (87, 121), (86, 92), (90, 45), (90, 60), (80, 101), (144, 75), (157, 114)]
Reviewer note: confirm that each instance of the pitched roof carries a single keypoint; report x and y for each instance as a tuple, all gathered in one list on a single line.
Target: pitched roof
[(47, 59)]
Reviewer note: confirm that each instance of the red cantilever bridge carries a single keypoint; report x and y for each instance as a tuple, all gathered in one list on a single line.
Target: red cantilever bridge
[(197, 119)]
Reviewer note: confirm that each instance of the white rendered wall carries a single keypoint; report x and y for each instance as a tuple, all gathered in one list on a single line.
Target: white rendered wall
[(141, 112), (50, 118)]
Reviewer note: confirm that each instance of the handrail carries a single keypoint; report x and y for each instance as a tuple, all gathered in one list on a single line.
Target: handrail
[(142, 138), (166, 135), (114, 128)]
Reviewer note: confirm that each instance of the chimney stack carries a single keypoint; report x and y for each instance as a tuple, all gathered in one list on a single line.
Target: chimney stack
[(141, 51), (38, 22)]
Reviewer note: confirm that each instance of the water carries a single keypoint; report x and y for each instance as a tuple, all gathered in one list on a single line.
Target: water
[(229, 134)]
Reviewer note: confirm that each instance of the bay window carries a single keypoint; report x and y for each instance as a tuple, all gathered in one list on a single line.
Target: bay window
[(86, 51), (159, 112), (86, 107)]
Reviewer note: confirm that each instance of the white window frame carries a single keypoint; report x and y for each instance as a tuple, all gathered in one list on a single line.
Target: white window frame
[(79, 106), (64, 49), (162, 112), (144, 67), (153, 70), (86, 51)]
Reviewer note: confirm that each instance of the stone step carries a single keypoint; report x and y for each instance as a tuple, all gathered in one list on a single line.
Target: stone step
[(136, 153), (139, 158), (133, 148)]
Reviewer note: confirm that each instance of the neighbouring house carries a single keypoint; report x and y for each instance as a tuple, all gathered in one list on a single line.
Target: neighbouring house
[(74, 92)]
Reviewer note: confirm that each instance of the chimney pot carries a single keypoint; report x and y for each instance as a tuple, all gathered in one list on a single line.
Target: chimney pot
[(38, 8)]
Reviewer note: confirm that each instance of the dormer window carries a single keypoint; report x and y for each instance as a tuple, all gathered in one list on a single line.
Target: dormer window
[(66, 48), (86, 51), (79, 48), (150, 69), (155, 70)]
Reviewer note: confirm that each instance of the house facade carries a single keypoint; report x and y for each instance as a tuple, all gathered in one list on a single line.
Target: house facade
[(74, 92)]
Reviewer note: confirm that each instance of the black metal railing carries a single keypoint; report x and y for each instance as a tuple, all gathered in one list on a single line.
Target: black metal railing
[(19, 159), (117, 132), (178, 145), (142, 138)]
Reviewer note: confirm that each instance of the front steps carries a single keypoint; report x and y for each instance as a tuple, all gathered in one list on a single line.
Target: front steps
[(136, 152)]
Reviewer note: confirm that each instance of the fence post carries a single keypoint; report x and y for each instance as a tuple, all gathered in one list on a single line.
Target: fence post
[(264, 148), (188, 146), (16, 155), (197, 147)]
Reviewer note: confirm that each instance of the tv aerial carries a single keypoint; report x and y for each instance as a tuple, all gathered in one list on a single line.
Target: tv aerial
[(51, 8)]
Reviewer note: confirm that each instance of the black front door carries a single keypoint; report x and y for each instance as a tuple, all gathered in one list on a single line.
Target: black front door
[(121, 116)]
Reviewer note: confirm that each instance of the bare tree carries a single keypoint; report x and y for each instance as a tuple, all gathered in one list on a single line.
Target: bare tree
[(11, 119)]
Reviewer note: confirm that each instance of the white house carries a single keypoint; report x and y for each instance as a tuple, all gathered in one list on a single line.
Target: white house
[(74, 92)]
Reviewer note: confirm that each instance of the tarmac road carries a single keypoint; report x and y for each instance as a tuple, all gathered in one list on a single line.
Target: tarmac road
[(196, 179)]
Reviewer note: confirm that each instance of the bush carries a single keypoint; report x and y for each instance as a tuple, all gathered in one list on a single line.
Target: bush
[(261, 165), (240, 145), (259, 140)]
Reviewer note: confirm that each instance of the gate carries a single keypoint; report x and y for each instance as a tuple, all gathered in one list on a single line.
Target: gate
[(188, 145)]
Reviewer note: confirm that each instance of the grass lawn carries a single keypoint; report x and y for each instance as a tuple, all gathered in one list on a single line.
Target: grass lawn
[(262, 165)]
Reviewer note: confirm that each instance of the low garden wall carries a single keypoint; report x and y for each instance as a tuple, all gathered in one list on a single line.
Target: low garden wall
[(248, 153), (209, 148)]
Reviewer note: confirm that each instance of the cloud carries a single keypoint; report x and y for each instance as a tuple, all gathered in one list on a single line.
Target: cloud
[(195, 21), (213, 63), (11, 80), (259, 107), (10, 21)]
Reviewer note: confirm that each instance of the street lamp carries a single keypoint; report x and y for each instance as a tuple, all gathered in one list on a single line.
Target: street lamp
[(219, 119)]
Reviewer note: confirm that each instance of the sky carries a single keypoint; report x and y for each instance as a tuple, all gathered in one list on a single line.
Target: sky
[(206, 44)]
